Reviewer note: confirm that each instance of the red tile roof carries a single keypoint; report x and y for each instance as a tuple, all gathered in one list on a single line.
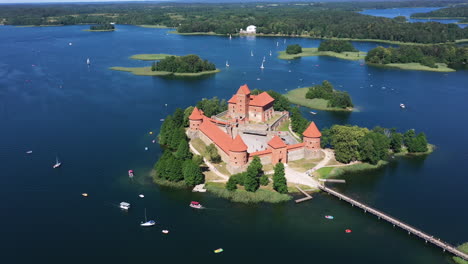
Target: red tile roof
[(196, 114), (233, 100), (213, 132), (238, 145), (262, 99), (260, 153), (244, 89), (276, 142), (312, 131)]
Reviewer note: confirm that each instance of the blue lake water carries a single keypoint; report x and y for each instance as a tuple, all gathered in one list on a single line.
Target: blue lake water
[(98, 121), (407, 12)]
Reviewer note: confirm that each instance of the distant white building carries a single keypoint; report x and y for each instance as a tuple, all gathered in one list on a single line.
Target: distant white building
[(249, 30)]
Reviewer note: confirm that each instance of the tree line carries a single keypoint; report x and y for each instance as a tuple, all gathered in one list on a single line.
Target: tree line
[(183, 64), (102, 27), (255, 176), (353, 143), (293, 49), (427, 55), (337, 46), (460, 11), (318, 20), (334, 97)]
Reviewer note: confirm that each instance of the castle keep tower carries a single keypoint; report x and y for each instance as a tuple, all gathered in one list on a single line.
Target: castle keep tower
[(238, 156), (312, 141), (243, 102), (279, 152)]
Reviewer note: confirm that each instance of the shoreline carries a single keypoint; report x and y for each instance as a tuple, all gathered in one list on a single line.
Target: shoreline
[(297, 96), (310, 52), (146, 71), (150, 57), (99, 30), (413, 66)]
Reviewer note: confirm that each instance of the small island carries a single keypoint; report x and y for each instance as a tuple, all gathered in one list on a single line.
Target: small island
[(334, 48), (238, 149), (101, 28), (463, 248), (170, 65), (322, 97), (439, 58)]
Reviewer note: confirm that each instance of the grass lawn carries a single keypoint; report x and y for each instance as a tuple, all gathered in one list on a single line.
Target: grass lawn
[(442, 67), (463, 248), (146, 71), (242, 196), (284, 126), (302, 165), (150, 57), (307, 52), (297, 96), (200, 146), (324, 172)]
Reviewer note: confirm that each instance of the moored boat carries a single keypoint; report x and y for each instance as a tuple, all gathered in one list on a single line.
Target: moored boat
[(124, 205), (57, 163), (219, 250), (196, 205), (146, 222), (130, 173)]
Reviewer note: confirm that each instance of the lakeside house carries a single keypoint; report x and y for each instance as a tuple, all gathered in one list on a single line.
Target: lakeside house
[(249, 30), (250, 127)]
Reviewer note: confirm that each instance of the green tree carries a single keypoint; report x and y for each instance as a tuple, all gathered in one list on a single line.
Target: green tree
[(187, 112), (264, 180), (192, 173), (345, 141), (396, 141), (197, 159), (417, 144), (213, 154), (337, 46), (183, 150), (254, 172), (231, 184), (293, 49), (373, 147), (174, 170), (279, 179)]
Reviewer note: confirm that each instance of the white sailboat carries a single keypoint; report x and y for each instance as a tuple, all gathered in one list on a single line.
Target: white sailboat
[(270, 52), (251, 53), (88, 61), (261, 66), (57, 163), (227, 64), (277, 43), (263, 58), (146, 222), (230, 36)]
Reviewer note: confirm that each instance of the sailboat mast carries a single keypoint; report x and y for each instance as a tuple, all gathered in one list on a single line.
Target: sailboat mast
[(145, 216)]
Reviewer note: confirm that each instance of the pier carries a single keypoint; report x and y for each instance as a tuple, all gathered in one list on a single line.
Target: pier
[(410, 229), (306, 198), (333, 180)]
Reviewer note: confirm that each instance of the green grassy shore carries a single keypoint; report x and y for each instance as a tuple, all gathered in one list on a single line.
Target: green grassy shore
[(464, 249), (243, 196), (307, 52), (146, 71), (153, 26), (150, 57), (297, 96), (99, 30), (442, 67)]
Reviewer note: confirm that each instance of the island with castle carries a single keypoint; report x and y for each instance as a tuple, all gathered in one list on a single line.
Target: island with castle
[(247, 148)]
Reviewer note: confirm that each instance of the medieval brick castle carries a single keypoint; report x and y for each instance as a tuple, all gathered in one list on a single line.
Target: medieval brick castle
[(250, 128)]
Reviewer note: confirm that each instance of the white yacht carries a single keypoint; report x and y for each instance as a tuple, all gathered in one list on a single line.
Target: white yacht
[(57, 163), (227, 64), (124, 205), (146, 222), (261, 66), (403, 106)]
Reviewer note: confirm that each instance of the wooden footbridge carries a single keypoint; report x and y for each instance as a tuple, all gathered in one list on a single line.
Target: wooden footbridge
[(411, 230)]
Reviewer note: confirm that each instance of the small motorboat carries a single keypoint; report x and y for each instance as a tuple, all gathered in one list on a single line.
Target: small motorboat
[(29, 152), (88, 61), (84, 194), (329, 217), (146, 222), (314, 113), (165, 231), (402, 106), (153, 141), (146, 148), (57, 163), (141, 196), (124, 205), (69, 44), (151, 132), (130, 173), (348, 231), (162, 119), (219, 250), (196, 205)]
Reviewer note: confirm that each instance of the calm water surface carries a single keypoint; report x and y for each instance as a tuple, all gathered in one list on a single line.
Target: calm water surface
[(407, 12), (98, 121)]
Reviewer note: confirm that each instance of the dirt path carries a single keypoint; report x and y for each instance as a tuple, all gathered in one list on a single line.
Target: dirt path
[(211, 166)]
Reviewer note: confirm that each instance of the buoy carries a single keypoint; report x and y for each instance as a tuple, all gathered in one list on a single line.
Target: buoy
[(84, 194), (141, 196), (165, 231), (219, 250), (146, 148), (151, 133), (348, 231), (162, 119), (154, 140)]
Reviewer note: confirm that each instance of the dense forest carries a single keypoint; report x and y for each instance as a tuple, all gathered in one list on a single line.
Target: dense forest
[(334, 97), (353, 143), (336, 46), (318, 20), (293, 49), (183, 64), (428, 55), (450, 12), (102, 27)]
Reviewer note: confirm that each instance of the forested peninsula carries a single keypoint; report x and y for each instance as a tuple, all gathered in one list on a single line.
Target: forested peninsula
[(443, 58), (334, 48), (315, 20), (456, 12)]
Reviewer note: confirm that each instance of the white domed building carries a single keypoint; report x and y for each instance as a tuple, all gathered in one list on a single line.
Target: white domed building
[(249, 30)]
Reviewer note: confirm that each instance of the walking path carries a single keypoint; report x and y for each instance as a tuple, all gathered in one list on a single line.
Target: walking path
[(211, 166)]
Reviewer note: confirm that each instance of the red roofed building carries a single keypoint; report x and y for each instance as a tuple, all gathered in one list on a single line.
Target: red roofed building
[(248, 107), (228, 136)]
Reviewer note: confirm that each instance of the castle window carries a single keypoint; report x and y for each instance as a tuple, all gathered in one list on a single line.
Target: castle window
[(235, 157), (236, 162)]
